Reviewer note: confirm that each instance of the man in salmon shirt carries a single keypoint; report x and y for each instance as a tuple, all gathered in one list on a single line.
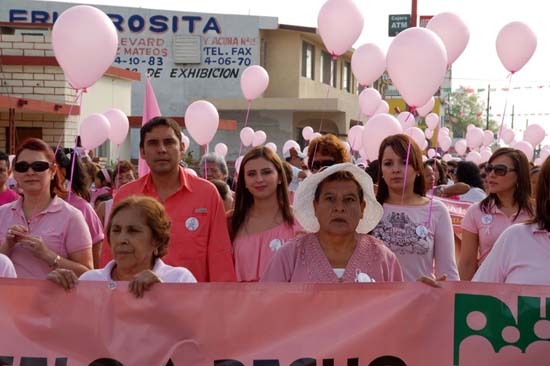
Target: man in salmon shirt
[(199, 240)]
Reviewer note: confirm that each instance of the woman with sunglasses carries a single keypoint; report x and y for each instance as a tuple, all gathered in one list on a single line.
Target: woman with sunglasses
[(520, 255), (42, 232), (416, 229), (325, 151), (262, 220), (508, 202)]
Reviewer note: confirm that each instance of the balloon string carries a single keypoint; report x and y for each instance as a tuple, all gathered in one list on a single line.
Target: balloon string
[(245, 123), (509, 77), (77, 100), (429, 219), (205, 162), (117, 168), (407, 158), (74, 151)]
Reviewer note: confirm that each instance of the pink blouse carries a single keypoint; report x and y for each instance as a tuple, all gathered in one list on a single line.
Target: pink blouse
[(254, 252), (303, 260)]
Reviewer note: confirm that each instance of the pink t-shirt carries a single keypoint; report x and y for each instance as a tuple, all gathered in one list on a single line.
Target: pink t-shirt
[(61, 227), (6, 268), (419, 245), (165, 272), (254, 252), (92, 220), (98, 192), (302, 260), (521, 255), (488, 226), (7, 196)]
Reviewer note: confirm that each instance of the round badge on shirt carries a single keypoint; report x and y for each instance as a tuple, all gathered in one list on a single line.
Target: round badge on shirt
[(486, 219), (192, 224), (275, 245), (421, 231), (362, 277)]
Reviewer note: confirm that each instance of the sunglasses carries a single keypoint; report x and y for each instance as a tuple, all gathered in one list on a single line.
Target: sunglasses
[(499, 169), (37, 166), (318, 164)]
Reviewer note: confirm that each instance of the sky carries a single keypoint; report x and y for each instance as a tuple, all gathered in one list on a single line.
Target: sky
[(476, 68)]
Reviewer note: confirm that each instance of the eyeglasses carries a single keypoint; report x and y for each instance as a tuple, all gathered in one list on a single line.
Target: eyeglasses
[(500, 169), (318, 164), (37, 166)]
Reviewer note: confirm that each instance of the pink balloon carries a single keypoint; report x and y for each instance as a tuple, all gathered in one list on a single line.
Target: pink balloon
[(416, 64), (470, 126), (474, 156), (426, 108), (369, 100), (377, 129), (259, 138), (355, 137), (306, 149), (347, 146), (508, 135), (94, 130), (119, 125), (383, 107), (221, 149), (516, 43), (474, 137), (452, 31), (271, 146), (85, 43), (423, 145), (202, 120), (247, 135), (238, 163), (488, 137), (291, 144), (485, 153), (539, 161), (340, 23), (534, 134), (428, 133), (445, 130), (407, 120), (185, 141), (430, 153), (416, 134), (368, 63), (461, 146), (307, 132), (445, 142), (254, 82), (526, 148), (432, 120), (315, 135), (447, 157), (544, 154)]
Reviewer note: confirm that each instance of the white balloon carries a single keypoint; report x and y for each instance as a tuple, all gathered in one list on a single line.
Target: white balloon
[(291, 144), (221, 149), (259, 138), (271, 146), (307, 132)]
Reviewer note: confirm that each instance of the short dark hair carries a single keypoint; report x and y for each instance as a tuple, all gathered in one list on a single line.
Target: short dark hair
[(468, 172), (341, 176), (5, 157), (155, 122), (221, 186), (542, 206)]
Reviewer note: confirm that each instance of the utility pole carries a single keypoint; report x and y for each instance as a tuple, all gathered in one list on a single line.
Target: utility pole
[(413, 13), (488, 105)]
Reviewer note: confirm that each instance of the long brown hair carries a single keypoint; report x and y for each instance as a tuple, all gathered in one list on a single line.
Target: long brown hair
[(400, 144), (34, 144), (244, 199), (522, 193), (542, 208)]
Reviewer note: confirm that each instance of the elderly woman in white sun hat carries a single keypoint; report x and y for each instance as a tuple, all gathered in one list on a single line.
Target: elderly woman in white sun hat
[(337, 206)]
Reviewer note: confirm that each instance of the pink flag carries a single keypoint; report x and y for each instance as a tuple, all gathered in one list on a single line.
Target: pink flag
[(150, 110)]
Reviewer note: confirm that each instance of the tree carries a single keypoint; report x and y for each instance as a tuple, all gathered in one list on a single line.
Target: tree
[(466, 108)]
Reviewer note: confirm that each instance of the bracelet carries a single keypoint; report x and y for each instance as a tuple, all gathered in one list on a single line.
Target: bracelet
[(55, 263)]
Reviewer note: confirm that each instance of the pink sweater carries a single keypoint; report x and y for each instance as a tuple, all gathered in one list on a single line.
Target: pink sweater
[(419, 245), (303, 260)]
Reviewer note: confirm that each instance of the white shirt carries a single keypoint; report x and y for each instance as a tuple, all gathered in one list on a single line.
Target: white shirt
[(475, 194), (165, 272), (7, 270)]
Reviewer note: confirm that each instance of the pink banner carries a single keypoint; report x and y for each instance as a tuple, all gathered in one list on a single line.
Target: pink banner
[(457, 210), (274, 325)]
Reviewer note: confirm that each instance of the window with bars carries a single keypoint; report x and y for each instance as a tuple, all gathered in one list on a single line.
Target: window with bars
[(328, 69), (308, 60)]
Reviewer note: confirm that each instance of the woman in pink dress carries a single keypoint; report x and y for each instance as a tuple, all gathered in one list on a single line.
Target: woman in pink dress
[(416, 229), (508, 203), (262, 221), (521, 254), (337, 206)]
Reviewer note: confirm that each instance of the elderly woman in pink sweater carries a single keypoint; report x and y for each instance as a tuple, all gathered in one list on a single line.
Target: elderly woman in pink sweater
[(337, 206)]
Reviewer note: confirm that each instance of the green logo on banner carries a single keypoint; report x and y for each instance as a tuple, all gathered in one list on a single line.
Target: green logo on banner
[(487, 317)]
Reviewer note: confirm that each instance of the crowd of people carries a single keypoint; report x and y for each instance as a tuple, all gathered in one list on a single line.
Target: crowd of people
[(315, 218)]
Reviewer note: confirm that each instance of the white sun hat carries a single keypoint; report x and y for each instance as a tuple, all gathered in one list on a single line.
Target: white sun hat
[(305, 195)]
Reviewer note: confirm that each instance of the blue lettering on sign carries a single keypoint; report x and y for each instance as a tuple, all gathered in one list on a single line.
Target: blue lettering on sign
[(135, 23)]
